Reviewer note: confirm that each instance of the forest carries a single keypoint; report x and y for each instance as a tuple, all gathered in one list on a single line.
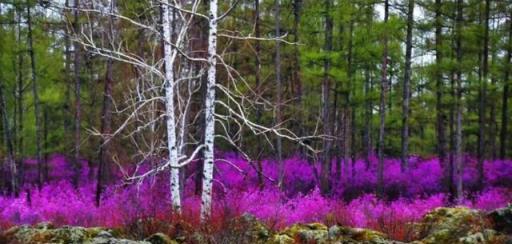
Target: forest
[(255, 121)]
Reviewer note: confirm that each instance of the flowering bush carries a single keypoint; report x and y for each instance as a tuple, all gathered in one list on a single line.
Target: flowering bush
[(237, 190)]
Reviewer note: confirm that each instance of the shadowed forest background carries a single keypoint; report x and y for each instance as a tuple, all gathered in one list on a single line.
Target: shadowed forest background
[(363, 113)]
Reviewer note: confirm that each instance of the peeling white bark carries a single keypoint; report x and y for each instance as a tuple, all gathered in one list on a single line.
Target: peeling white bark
[(169, 112), (206, 197)]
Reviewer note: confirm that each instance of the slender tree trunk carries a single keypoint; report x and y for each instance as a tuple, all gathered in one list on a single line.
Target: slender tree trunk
[(382, 107), (458, 123), (45, 142), (367, 118), (326, 87), (493, 124), (351, 108), (297, 4), (106, 116), (206, 197), (407, 88), (258, 84), (19, 103), (8, 140), (440, 114), (77, 122), (506, 87), (368, 88), (482, 97), (279, 91), (169, 57), (69, 82), (35, 95)]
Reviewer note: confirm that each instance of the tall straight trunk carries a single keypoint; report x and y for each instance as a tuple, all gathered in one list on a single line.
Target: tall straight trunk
[(493, 124), (382, 107), (106, 115), (19, 97), (350, 125), (35, 95), (407, 88), (209, 135), (440, 114), (458, 101), (482, 96), (367, 118), (76, 69), (67, 69), (45, 142), (258, 84), (368, 87), (506, 87), (279, 90), (326, 87), (172, 147), (296, 68), (8, 140), (337, 131)]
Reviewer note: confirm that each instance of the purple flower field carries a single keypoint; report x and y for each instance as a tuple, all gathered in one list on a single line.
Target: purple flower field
[(236, 191)]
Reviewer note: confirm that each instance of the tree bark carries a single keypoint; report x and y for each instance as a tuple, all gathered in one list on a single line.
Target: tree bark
[(382, 107), (440, 114), (458, 101), (209, 137), (297, 4), (407, 88), (106, 115), (279, 91), (8, 140), (368, 87), (367, 136), (19, 103), (506, 87), (326, 87), (258, 84), (482, 96), (77, 122), (169, 58), (35, 95)]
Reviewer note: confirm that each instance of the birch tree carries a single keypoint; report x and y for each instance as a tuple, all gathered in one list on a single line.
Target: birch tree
[(209, 134), (170, 81)]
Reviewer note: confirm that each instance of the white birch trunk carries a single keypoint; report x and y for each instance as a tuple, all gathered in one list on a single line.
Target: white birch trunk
[(206, 197), (170, 114)]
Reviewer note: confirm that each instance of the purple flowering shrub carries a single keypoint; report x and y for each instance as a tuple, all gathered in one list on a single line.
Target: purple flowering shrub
[(237, 190)]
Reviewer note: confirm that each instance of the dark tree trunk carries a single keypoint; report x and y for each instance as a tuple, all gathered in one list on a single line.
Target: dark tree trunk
[(258, 84), (368, 88), (493, 124), (458, 101), (279, 92), (19, 103), (326, 87), (382, 107), (506, 87), (45, 142), (35, 94), (367, 137), (482, 96), (69, 83), (350, 109), (407, 88), (76, 68), (106, 117), (440, 114), (8, 140), (296, 79)]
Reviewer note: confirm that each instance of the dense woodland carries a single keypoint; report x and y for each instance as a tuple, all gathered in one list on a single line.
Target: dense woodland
[(123, 83)]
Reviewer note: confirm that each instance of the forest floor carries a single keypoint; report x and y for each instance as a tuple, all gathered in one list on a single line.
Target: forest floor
[(140, 209)]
